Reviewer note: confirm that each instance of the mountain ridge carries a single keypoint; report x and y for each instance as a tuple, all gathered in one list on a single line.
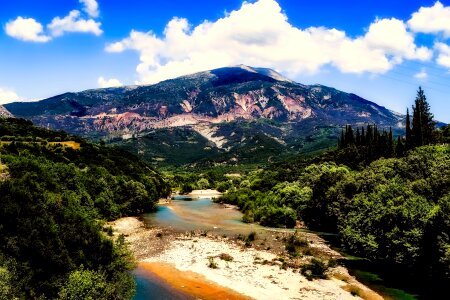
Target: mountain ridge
[(260, 100)]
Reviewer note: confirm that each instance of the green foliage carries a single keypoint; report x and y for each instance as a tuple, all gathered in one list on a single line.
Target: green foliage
[(423, 124), (364, 146), (395, 211), (316, 269), (6, 284), (51, 209), (92, 285)]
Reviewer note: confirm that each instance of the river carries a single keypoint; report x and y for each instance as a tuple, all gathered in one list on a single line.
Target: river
[(185, 214)]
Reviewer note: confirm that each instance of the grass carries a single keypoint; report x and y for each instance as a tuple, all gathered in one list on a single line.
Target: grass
[(72, 144)]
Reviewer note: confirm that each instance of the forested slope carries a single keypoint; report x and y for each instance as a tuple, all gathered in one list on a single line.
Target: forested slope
[(54, 198)]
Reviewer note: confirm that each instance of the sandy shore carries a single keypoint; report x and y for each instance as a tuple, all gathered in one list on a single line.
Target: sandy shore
[(191, 283), (205, 194), (251, 273)]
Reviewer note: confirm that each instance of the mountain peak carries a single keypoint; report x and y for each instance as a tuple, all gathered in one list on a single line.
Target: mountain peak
[(264, 71)]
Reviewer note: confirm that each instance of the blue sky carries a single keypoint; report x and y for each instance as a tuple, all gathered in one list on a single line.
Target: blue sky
[(380, 50)]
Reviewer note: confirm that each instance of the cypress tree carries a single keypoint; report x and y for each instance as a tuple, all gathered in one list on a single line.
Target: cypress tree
[(358, 137), (390, 143), (400, 148), (422, 122), (408, 141), (349, 137), (363, 136)]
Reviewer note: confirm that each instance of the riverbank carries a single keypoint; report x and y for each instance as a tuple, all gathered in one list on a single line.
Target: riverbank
[(205, 194), (228, 265)]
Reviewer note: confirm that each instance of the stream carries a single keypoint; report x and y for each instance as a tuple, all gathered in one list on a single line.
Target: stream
[(187, 214)]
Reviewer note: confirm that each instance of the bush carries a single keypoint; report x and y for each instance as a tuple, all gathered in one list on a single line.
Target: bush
[(212, 264), (316, 269), (226, 257)]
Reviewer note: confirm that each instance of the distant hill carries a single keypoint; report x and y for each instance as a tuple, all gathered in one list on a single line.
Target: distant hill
[(229, 114)]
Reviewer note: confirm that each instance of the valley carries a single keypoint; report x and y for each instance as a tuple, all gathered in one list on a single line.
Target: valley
[(304, 175)]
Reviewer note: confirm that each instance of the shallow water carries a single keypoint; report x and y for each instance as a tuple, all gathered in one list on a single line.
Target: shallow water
[(200, 214), (149, 286), (186, 214)]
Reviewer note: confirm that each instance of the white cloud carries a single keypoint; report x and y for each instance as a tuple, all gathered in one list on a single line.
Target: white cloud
[(392, 36), (435, 19), (7, 96), (421, 75), (106, 83), (30, 30), (26, 29), (259, 34), (443, 58), (90, 7), (73, 23)]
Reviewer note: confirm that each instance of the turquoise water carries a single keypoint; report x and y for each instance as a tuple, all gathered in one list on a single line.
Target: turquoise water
[(149, 286), (202, 214)]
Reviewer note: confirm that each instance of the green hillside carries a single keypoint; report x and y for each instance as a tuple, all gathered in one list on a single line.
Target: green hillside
[(56, 191)]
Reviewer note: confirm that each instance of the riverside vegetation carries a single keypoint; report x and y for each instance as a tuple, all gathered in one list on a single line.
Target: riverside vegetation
[(54, 203), (386, 198), (388, 202)]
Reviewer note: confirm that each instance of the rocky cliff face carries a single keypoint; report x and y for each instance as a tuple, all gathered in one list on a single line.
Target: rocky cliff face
[(204, 103), (227, 94), (4, 113)]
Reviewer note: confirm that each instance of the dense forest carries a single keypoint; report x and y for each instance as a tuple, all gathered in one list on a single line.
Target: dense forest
[(386, 198), (56, 192)]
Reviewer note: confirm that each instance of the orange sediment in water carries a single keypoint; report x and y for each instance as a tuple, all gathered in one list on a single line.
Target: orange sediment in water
[(191, 283)]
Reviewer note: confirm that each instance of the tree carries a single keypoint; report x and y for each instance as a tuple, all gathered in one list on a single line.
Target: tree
[(400, 148), (422, 122), (408, 142)]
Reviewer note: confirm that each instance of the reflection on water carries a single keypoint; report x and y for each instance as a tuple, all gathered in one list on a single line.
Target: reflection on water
[(150, 287), (199, 214)]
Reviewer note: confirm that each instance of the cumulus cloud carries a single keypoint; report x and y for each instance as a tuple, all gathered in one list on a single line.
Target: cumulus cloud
[(7, 96), (433, 19), (106, 83), (90, 7), (73, 23), (26, 29), (443, 57), (259, 34), (30, 30), (392, 36)]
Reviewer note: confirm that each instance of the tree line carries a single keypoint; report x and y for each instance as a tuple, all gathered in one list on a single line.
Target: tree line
[(366, 144)]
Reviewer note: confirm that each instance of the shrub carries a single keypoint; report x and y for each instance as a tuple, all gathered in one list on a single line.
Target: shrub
[(226, 257), (212, 264), (316, 269)]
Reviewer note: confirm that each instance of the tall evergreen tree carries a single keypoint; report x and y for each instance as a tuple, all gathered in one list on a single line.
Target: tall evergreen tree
[(408, 142), (390, 144), (422, 122), (400, 148)]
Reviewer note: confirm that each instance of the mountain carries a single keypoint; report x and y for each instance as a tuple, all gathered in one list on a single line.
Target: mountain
[(4, 113), (229, 112)]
